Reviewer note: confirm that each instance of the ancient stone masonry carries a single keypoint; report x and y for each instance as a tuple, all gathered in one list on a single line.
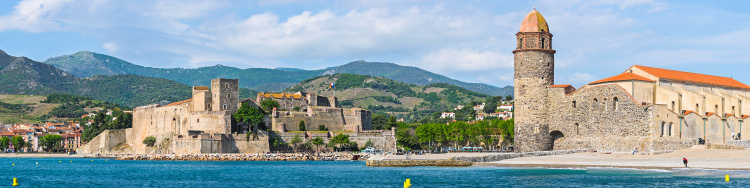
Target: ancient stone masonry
[(648, 109), (203, 124)]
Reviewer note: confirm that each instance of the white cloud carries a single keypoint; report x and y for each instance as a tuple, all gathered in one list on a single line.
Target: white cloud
[(110, 46), (576, 79), (466, 60)]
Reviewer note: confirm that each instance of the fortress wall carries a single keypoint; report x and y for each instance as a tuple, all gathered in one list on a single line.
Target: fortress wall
[(332, 118), (105, 141), (210, 122), (160, 122), (382, 140), (609, 126)]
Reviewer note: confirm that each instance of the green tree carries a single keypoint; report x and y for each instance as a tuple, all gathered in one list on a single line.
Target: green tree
[(4, 143), (269, 104), (18, 142), (51, 141), (296, 141), (508, 97), (340, 139), (322, 128), (317, 141), (391, 122), (379, 121), (149, 141), (249, 115), (301, 125), (368, 144)]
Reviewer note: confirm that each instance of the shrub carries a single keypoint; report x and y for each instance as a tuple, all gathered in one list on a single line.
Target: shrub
[(149, 141), (302, 125), (322, 128)]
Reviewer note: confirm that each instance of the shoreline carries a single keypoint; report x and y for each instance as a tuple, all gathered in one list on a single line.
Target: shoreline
[(585, 167), (47, 155)]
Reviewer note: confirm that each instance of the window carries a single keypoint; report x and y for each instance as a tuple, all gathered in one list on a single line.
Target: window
[(225, 107), (697, 109), (606, 104), (716, 109), (226, 85), (672, 105), (520, 43), (669, 131), (542, 45), (577, 128), (614, 104), (574, 104), (663, 125), (197, 120), (733, 110)]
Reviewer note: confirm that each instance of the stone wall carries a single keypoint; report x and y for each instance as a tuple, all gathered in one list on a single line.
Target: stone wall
[(105, 141), (335, 119), (410, 163), (534, 73), (504, 156), (384, 140)]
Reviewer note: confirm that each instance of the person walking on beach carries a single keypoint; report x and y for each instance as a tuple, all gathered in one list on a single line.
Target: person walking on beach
[(684, 160)]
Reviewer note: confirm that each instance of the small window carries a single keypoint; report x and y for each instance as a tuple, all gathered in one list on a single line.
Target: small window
[(225, 107), (672, 105), (542, 45), (197, 120), (577, 128), (606, 105), (716, 109), (614, 103), (574, 104), (697, 109), (226, 85)]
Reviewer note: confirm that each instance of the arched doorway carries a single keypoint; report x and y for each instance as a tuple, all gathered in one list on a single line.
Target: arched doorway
[(556, 136)]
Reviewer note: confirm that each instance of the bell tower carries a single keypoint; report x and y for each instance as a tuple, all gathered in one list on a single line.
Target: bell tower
[(534, 72)]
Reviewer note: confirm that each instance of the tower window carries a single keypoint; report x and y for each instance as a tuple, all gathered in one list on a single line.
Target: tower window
[(574, 104), (225, 107), (697, 109), (542, 45), (520, 43), (672, 105), (614, 105), (226, 85)]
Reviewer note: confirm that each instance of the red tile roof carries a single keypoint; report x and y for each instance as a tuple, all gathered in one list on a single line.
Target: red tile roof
[(693, 77), (687, 112), (744, 116), (623, 77), (7, 134), (200, 87), (709, 114), (178, 103)]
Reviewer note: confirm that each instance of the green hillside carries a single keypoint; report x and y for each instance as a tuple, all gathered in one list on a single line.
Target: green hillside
[(22, 76), (87, 64), (382, 95)]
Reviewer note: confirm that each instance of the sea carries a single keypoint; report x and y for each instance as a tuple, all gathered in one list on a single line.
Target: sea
[(84, 172)]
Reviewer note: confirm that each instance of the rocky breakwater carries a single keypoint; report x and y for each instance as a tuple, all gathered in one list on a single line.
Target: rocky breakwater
[(246, 157), (383, 161), (504, 156)]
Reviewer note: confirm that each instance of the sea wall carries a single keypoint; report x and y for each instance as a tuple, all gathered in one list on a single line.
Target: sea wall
[(503, 156), (409, 163), (105, 141)]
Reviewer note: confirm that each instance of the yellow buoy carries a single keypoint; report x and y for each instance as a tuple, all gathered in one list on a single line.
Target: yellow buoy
[(92, 159), (71, 161), (14, 164), (37, 162), (727, 178), (59, 161), (407, 183), (15, 182)]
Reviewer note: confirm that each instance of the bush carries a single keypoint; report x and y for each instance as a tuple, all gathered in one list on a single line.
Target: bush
[(302, 125), (149, 141), (322, 128)]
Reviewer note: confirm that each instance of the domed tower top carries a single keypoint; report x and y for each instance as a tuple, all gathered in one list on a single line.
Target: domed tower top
[(534, 22)]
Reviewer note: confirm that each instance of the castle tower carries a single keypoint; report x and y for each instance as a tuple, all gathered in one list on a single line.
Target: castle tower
[(534, 63), (225, 94)]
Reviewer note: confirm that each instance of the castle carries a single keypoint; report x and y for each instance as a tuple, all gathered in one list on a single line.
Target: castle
[(644, 108), (204, 124)]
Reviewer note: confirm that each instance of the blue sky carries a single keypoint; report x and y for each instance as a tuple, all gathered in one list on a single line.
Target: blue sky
[(467, 40)]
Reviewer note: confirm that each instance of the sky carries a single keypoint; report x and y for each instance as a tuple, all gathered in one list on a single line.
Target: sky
[(471, 41)]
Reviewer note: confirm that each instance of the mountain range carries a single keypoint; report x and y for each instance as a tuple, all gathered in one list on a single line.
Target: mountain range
[(87, 64), (23, 76)]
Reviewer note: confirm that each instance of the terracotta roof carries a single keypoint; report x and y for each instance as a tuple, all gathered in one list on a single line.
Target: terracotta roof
[(178, 103), (200, 87), (534, 22), (693, 77), (7, 134), (709, 114), (280, 95), (623, 77), (687, 112), (728, 114), (744, 116), (561, 86)]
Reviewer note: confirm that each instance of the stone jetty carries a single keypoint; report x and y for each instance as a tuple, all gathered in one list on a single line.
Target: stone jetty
[(246, 157)]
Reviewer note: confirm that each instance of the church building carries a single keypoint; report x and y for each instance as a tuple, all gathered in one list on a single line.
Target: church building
[(645, 108)]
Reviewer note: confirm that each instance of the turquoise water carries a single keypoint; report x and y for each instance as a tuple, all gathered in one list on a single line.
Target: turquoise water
[(50, 172)]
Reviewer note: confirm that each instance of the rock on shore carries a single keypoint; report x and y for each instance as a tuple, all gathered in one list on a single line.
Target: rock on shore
[(245, 157)]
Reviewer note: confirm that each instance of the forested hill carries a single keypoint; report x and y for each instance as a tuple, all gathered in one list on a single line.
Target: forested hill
[(23, 76), (383, 95), (86, 64)]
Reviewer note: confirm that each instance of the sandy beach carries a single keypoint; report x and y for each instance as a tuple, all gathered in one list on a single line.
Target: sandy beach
[(697, 158)]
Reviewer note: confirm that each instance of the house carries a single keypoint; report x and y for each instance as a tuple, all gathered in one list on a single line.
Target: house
[(480, 117), (505, 108), (451, 115)]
